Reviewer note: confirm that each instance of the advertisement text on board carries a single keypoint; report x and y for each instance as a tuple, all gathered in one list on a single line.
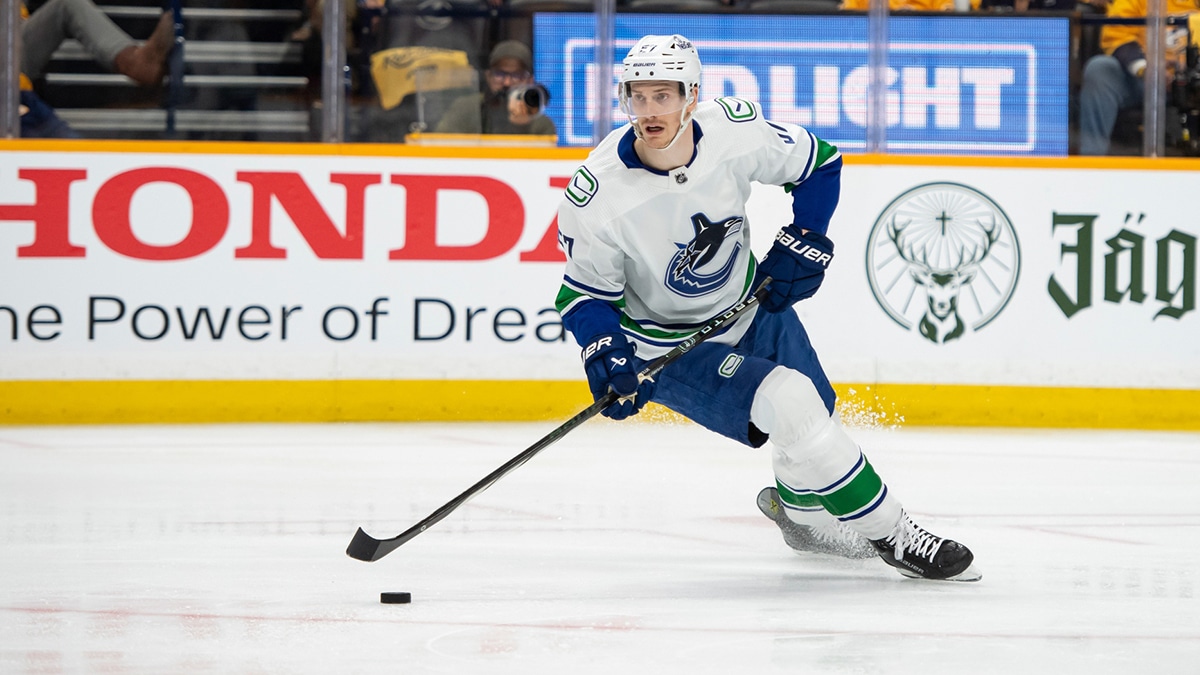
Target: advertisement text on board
[(207, 203)]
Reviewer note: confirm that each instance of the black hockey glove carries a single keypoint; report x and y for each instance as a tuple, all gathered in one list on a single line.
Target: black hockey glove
[(796, 264), (609, 364)]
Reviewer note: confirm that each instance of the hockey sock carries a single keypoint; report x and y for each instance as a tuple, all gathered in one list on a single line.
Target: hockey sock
[(801, 506), (812, 449)]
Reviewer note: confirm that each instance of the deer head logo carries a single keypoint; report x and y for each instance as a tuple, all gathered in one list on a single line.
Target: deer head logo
[(942, 282), (942, 260)]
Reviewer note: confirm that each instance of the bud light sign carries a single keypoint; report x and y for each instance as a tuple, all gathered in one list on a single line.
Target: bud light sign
[(955, 84)]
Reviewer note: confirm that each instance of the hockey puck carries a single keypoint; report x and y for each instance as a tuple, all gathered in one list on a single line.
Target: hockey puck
[(399, 598)]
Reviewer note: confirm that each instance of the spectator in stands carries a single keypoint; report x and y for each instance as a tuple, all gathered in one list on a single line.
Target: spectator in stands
[(57, 20), (510, 101), (38, 119), (1113, 81), (360, 37), (460, 25), (44, 30)]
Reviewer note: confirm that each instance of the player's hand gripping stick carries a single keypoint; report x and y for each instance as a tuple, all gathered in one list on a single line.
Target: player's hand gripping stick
[(796, 262)]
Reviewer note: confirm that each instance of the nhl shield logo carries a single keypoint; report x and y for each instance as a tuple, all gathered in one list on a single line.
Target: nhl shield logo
[(943, 260)]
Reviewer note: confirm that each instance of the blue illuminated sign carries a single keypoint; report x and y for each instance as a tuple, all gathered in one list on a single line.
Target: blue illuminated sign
[(956, 84)]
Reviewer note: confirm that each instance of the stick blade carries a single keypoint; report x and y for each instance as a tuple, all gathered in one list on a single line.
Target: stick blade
[(364, 547)]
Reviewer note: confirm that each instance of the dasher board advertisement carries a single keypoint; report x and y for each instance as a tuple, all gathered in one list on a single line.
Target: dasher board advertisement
[(292, 266)]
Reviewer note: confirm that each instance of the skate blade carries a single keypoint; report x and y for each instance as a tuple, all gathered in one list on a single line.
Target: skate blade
[(970, 574)]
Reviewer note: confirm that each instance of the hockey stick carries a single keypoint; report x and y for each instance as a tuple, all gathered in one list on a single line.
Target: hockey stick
[(369, 549)]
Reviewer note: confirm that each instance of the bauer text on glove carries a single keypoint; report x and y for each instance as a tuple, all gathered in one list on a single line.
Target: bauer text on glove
[(796, 264), (609, 364)]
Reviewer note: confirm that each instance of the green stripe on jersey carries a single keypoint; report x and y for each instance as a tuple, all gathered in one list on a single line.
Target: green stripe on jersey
[(568, 295), (565, 297), (826, 152)]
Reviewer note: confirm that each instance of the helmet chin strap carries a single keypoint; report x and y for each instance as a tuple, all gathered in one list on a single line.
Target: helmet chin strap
[(684, 119)]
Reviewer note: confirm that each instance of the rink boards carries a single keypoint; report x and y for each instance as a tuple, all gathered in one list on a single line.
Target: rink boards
[(184, 282)]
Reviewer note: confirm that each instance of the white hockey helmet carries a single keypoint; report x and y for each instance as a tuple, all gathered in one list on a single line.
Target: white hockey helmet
[(661, 57), (670, 58)]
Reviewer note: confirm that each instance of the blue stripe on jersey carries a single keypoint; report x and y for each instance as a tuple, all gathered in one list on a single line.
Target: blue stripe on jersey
[(653, 343), (812, 157), (611, 296), (685, 330), (669, 343), (686, 327), (673, 327)]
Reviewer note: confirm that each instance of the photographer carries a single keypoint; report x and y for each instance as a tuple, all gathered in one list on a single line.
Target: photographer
[(1113, 81), (510, 103)]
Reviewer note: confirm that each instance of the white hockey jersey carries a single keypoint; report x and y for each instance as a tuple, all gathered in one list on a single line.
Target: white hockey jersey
[(671, 250)]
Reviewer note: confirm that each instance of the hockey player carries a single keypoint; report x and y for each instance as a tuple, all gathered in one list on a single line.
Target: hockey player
[(655, 230)]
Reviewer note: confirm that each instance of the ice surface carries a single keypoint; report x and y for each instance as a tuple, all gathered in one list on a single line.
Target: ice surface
[(624, 548)]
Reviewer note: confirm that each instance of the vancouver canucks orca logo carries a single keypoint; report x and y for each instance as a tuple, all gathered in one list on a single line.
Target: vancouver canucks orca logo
[(686, 273)]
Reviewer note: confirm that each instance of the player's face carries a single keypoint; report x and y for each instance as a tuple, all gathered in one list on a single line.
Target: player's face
[(655, 108)]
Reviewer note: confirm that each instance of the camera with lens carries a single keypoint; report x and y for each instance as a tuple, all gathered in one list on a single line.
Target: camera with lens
[(535, 96)]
